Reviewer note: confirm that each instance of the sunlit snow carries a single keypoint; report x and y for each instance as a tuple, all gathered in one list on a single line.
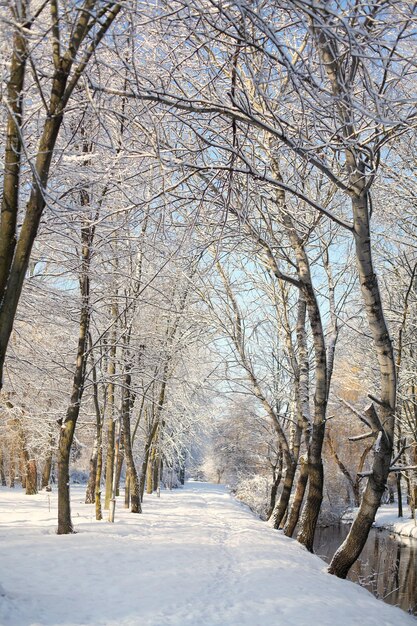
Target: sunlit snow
[(196, 557)]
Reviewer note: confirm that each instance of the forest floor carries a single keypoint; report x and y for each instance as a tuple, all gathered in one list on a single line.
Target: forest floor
[(196, 557)]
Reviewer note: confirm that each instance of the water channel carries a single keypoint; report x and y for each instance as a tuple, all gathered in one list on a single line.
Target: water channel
[(387, 566)]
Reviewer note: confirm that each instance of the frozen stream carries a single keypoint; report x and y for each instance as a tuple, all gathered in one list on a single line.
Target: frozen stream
[(387, 566)]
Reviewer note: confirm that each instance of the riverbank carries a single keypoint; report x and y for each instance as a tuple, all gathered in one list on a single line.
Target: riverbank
[(196, 557), (387, 517)]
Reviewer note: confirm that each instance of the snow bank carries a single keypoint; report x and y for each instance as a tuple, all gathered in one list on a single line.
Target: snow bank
[(387, 517), (196, 557)]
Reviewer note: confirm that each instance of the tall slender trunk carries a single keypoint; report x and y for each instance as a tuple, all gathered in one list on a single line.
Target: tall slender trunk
[(150, 470), (91, 485), (302, 393), (2, 473), (12, 469), (117, 436), (342, 85), (314, 497), (94, 489), (351, 548), (145, 462), (97, 490), (111, 418), (127, 405), (127, 490), (155, 471), (142, 479), (13, 147), (120, 462), (276, 481), (73, 410)]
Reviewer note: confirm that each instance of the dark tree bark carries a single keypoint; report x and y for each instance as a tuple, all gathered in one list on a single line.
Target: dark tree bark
[(31, 478), (146, 459), (281, 507), (73, 410), (276, 481), (13, 145), (12, 469), (111, 423), (46, 472), (127, 491), (294, 513), (127, 405), (120, 462), (314, 497), (97, 491), (91, 485), (2, 472)]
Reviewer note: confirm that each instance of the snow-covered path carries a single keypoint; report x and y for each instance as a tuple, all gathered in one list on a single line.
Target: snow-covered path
[(196, 557)]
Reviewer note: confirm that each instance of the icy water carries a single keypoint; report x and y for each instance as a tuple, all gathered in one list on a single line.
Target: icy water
[(387, 566)]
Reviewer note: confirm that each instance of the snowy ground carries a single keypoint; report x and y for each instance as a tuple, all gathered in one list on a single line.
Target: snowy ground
[(196, 557)]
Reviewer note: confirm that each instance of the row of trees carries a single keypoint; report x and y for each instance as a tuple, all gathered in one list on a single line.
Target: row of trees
[(188, 193)]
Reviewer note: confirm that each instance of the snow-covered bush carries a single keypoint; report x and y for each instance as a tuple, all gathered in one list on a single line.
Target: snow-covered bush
[(254, 492)]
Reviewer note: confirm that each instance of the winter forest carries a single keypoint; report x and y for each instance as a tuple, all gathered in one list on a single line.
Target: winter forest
[(208, 309)]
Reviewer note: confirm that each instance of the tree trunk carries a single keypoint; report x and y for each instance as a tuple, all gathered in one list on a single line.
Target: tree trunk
[(351, 548), (12, 470), (145, 462), (294, 514), (143, 472), (96, 462), (117, 435), (13, 148), (111, 419), (155, 471), (358, 183), (399, 496), (312, 506), (120, 461), (314, 498), (281, 507), (64, 449), (68, 425), (150, 471), (91, 485), (127, 490), (97, 490), (277, 477), (46, 472), (31, 478), (127, 405), (2, 474)]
